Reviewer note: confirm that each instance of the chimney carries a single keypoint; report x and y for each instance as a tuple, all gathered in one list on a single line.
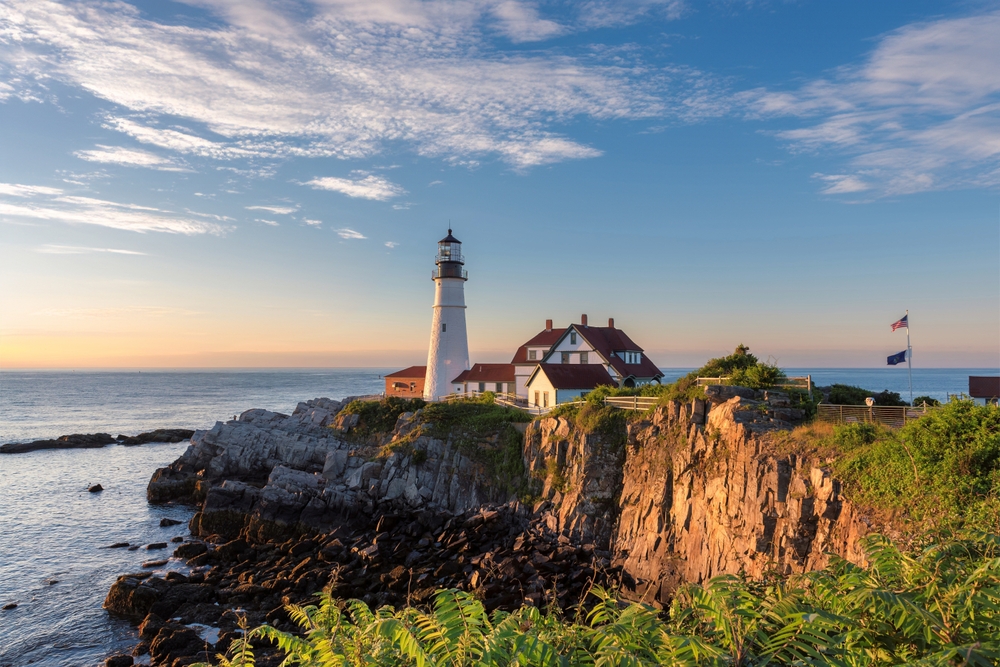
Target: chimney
[(611, 323), (548, 325), (583, 319)]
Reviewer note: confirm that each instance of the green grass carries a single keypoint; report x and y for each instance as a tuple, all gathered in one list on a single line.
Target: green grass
[(376, 417), (936, 606)]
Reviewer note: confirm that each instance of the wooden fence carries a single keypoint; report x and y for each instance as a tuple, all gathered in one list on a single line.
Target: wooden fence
[(887, 415), (804, 382)]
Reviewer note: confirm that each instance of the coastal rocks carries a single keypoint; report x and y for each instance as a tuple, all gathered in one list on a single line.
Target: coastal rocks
[(133, 595), (9, 606), (75, 441), (97, 440), (119, 661), (166, 522), (96, 488), (156, 545)]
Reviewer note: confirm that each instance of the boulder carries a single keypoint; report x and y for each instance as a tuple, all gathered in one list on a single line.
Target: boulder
[(96, 488), (120, 660), (165, 522)]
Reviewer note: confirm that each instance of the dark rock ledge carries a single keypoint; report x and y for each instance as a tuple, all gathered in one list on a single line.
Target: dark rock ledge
[(97, 440)]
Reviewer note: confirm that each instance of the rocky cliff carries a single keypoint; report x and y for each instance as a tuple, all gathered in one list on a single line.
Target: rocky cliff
[(292, 503), (697, 491)]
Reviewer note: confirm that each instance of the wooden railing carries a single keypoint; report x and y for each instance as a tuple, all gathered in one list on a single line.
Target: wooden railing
[(804, 382), (887, 415), (632, 402)]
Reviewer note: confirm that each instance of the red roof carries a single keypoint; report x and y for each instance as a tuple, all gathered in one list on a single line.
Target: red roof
[(608, 340), (411, 372), (546, 338), (984, 386), (575, 376), (487, 373)]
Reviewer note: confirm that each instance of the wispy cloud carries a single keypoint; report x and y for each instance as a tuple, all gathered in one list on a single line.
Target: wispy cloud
[(129, 157), (368, 187), (391, 244), (279, 210), (45, 203), (921, 113), (49, 249), (346, 233), (312, 223), (272, 223), (117, 312), (342, 78)]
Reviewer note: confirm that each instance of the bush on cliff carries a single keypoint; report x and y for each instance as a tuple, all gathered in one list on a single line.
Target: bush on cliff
[(942, 470), (938, 606), (845, 394), (381, 416)]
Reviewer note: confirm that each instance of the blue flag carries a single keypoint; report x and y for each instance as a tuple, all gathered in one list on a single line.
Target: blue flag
[(897, 358)]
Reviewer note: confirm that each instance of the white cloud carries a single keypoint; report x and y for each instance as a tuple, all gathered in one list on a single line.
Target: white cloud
[(129, 157), (433, 183), (521, 23), (921, 113), (346, 233), (341, 78), (44, 203), (312, 223), (369, 187), (391, 244), (272, 223), (280, 210), (49, 249), (842, 184)]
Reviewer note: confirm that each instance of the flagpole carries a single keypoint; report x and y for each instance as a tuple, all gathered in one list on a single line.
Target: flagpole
[(909, 355)]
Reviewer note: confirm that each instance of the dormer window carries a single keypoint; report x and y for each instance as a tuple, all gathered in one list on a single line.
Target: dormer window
[(532, 355)]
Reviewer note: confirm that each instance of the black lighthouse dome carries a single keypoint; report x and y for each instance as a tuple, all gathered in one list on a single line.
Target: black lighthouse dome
[(449, 259)]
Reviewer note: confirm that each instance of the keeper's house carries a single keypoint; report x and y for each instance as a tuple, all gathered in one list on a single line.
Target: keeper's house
[(554, 366), (407, 383)]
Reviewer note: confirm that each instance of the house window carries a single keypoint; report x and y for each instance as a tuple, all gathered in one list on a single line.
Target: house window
[(458, 389), (482, 387), (413, 386), (545, 399), (565, 357), (499, 387), (572, 338), (531, 355), (584, 358), (536, 399), (444, 327)]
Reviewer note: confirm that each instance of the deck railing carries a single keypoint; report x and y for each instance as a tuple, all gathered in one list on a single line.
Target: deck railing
[(888, 415), (804, 382)]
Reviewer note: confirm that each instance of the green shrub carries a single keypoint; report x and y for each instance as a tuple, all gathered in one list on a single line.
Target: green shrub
[(845, 394), (381, 416), (942, 469), (920, 400)]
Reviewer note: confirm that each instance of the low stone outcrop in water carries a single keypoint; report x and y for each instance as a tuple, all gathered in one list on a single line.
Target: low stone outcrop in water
[(97, 440)]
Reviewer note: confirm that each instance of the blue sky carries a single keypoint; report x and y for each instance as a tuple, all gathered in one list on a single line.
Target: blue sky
[(240, 183)]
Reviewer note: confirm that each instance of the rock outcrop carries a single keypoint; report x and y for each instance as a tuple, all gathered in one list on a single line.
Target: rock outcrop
[(697, 492), (97, 440)]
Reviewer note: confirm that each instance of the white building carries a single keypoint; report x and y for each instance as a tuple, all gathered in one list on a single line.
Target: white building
[(448, 355)]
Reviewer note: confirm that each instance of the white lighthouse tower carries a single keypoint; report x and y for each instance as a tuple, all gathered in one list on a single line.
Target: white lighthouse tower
[(448, 355)]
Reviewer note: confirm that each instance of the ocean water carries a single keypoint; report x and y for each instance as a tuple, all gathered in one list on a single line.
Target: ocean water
[(52, 529)]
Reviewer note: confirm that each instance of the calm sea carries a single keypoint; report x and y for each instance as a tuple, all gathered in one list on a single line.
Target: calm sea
[(52, 529)]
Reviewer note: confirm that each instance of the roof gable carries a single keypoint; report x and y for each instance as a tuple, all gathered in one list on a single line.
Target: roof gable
[(546, 338), (574, 376)]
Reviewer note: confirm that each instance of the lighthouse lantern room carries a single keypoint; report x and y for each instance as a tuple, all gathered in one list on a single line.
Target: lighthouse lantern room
[(448, 355)]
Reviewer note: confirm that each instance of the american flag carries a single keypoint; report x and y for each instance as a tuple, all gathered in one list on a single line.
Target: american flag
[(899, 324)]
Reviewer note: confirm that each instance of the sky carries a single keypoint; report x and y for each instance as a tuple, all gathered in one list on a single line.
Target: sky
[(239, 183)]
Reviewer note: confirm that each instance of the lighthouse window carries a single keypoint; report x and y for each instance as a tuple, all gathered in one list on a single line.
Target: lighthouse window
[(444, 327)]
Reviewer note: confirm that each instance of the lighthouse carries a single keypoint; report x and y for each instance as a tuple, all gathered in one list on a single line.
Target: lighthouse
[(448, 355)]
